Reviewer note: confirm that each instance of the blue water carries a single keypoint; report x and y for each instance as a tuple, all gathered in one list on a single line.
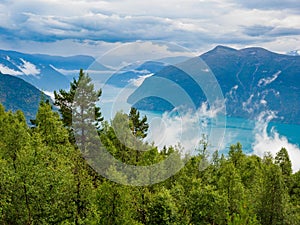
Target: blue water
[(291, 131), (244, 130), (254, 135)]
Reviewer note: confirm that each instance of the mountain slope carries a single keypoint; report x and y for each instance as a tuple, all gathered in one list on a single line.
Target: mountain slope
[(16, 94), (141, 70), (255, 79), (46, 72), (252, 80), (128, 74)]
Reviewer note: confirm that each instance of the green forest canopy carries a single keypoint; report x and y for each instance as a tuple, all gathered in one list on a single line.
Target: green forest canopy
[(45, 180)]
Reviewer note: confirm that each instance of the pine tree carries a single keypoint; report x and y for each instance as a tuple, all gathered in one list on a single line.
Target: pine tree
[(138, 126), (282, 159), (86, 97)]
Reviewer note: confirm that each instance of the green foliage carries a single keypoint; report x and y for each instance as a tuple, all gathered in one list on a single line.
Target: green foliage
[(274, 196), (39, 184), (45, 179), (162, 208), (236, 155), (206, 204), (295, 195), (282, 159), (81, 90), (138, 127), (231, 186)]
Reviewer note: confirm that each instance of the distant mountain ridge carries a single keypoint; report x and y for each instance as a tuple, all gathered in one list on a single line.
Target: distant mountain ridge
[(46, 72), (141, 70), (24, 77), (252, 80)]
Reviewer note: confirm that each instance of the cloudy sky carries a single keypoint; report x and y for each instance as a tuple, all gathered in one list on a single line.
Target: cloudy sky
[(90, 27)]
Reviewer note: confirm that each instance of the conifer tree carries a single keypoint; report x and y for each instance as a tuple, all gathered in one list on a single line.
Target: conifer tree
[(86, 97), (282, 159), (138, 126)]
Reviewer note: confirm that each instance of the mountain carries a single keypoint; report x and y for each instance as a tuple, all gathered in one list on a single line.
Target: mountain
[(294, 53), (252, 80), (128, 74), (139, 71), (17, 94), (46, 72)]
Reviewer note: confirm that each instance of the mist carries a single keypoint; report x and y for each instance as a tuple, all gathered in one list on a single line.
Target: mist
[(272, 141)]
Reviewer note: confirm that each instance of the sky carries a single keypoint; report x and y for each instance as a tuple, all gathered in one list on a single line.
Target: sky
[(72, 27)]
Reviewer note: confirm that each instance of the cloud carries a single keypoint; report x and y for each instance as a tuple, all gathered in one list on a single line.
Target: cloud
[(138, 82), (130, 53), (193, 24), (28, 68), (268, 31), (257, 30), (67, 47), (284, 31), (268, 80), (270, 4), (6, 70), (272, 141), (187, 128)]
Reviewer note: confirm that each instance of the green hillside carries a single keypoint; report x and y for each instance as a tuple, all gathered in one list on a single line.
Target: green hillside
[(17, 94)]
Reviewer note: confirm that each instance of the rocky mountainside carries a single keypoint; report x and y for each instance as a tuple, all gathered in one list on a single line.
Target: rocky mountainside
[(252, 80)]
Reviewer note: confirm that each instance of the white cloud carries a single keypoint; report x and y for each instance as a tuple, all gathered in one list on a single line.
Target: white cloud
[(272, 141), (28, 68), (194, 24), (270, 4), (247, 105), (129, 53), (68, 47), (266, 81), (138, 82), (6, 70), (186, 128), (50, 93)]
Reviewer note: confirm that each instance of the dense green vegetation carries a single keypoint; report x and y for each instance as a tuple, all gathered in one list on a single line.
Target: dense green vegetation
[(45, 180)]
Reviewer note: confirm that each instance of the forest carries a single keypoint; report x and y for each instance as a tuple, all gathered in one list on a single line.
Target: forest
[(45, 177)]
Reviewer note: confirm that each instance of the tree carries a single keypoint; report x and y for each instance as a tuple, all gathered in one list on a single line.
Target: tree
[(162, 208), (44, 179), (236, 155), (282, 159), (83, 90), (68, 188), (274, 196), (231, 185), (295, 194), (49, 126), (115, 203), (14, 142), (206, 205), (138, 126), (127, 133)]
